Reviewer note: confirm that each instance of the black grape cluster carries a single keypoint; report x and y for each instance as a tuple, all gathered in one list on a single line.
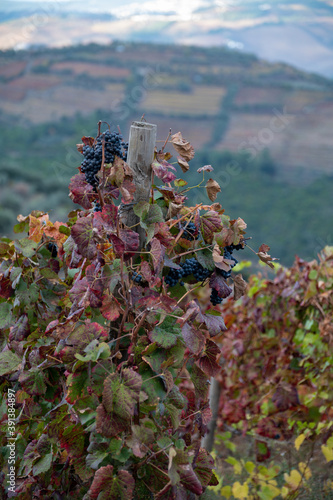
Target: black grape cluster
[(189, 266), (113, 146), (136, 277), (214, 297), (97, 207), (189, 231)]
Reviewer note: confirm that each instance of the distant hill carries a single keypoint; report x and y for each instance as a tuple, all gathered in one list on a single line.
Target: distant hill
[(265, 128), (297, 33)]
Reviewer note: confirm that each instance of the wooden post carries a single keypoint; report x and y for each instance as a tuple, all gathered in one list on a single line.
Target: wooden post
[(214, 399), (141, 146)]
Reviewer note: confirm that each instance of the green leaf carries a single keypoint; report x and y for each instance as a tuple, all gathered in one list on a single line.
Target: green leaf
[(121, 393), (26, 247), (43, 464), (180, 183), (5, 314), (165, 335), (205, 258), (26, 295), (9, 362)]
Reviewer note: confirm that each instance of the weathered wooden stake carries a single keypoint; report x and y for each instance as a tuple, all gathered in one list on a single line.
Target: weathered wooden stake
[(214, 399), (142, 139)]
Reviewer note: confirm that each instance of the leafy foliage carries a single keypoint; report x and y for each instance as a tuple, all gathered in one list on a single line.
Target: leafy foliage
[(276, 380), (111, 373)]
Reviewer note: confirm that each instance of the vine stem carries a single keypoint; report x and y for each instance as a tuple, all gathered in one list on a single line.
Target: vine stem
[(121, 327), (188, 291), (138, 326), (186, 215), (191, 251)]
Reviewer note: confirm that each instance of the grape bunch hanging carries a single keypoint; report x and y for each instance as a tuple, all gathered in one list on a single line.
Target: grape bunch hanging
[(114, 145), (200, 273)]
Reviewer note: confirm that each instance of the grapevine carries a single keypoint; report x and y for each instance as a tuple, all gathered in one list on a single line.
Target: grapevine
[(117, 345)]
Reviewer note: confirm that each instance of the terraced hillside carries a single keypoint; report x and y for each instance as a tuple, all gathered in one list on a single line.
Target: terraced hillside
[(273, 117)]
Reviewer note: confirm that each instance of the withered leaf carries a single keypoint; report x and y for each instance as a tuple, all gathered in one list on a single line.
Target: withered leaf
[(205, 168), (182, 146), (267, 259), (264, 248), (212, 188), (240, 286), (183, 164)]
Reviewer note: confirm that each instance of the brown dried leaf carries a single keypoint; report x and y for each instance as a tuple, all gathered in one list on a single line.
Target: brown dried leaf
[(183, 164), (267, 259), (264, 248), (212, 188), (182, 146), (240, 286)]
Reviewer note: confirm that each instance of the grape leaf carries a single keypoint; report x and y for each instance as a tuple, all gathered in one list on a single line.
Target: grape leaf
[(207, 361), (109, 425), (210, 223), (204, 466), (182, 146), (120, 393), (110, 308), (161, 170), (83, 235), (219, 284), (214, 323), (157, 251), (106, 486), (189, 480), (205, 168), (165, 335), (81, 192), (194, 339), (200, 382), (9, 362), (212, 188), (240, 286), (5, 314)]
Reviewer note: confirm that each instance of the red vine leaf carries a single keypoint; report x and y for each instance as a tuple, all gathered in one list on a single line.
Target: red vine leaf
[(210, 223), (285, 397), (83, 235), (162, 171), (194, 339), (267, 259), (110, 308), (106, 486), (109, 425), (81, 192), (207, 361), (219, 283), (189, 480)]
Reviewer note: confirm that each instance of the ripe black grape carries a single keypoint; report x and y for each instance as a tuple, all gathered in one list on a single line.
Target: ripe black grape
[(189, 231), (214, 297), (93, 155), (188, 267), (136, 277)]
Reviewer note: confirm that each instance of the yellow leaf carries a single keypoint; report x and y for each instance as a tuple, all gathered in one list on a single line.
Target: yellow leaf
[(240, 490), (294, 479), (305, 470), (328, 452), (299, 440), (284, 492), (226, 491)]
